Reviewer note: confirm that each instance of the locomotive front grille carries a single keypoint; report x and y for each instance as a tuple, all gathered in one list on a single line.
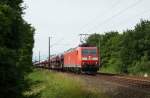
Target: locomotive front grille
[(90, 67)]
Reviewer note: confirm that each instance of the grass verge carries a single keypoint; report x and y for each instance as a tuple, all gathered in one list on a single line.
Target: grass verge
[(47, 84)]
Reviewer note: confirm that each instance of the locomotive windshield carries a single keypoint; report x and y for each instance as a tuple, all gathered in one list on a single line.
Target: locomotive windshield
[(89, 52)]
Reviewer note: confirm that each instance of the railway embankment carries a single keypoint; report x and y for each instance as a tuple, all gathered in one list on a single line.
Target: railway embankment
[(53, 84)]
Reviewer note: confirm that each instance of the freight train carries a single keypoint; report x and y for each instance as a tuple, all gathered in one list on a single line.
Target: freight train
[(82, 59)]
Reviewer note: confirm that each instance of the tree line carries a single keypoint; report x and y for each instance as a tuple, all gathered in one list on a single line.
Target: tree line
[(16, 43), (127, 52)]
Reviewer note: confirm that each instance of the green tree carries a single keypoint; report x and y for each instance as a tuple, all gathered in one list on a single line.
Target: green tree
[(125, 53), (136, 46), (16, 43)]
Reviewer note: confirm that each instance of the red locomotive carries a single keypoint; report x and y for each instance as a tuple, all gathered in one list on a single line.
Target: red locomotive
[(79, 59), (83, 59)]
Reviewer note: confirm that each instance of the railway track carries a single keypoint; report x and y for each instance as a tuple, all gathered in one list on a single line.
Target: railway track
[(124, 80), (132, 82), (127, 81)]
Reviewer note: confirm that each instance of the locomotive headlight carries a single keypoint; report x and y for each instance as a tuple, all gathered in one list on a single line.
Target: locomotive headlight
[(84, 58), (95, 58)]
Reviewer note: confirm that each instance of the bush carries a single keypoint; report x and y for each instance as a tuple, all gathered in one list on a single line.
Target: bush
[(124, 52)]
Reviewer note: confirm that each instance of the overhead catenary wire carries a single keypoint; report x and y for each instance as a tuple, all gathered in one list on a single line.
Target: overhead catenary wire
[(58, 42), (115, 15), (136, 15), (97, 17), (110, 17)]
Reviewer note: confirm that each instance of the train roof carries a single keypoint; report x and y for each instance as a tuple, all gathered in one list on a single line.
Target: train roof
[(81, 45), (86, 45)]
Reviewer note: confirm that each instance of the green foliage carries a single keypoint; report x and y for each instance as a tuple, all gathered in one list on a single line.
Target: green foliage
[(16, 43), (124, 53), (58, 85)]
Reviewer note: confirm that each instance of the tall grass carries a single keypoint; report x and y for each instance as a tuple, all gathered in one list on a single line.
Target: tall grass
[(57, 85)]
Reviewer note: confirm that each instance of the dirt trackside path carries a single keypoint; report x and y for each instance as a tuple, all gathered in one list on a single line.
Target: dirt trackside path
[(112, 89)]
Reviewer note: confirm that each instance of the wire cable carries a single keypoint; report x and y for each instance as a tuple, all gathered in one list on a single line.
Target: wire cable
[(97, 17), (115, 15)]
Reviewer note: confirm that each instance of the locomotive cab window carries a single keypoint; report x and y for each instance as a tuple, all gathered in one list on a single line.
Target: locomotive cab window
[(85, 51), (93, 51), (89, 52)]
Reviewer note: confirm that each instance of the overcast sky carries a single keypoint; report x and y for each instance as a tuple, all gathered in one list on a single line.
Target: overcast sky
[(64, 20)]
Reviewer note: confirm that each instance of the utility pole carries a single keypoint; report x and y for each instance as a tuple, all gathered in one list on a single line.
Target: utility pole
[(99, 51), (34, 58), (49, 63), (39, 57)]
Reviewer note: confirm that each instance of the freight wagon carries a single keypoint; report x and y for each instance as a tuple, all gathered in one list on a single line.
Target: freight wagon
[(83, 59)]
